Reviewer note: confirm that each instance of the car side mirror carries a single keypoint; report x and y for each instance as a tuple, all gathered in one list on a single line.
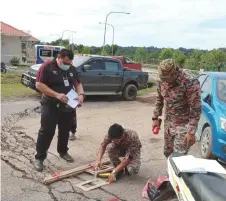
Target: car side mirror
[(206, 97), (87, 67)]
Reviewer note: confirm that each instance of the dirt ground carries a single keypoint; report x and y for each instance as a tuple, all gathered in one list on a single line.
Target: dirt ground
[(21, 182)]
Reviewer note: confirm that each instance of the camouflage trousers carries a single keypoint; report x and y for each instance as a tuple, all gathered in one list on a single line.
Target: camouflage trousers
[(115, 151), (174, 138)]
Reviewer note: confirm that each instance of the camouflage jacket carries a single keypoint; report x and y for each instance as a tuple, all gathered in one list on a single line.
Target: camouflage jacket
[(130, 143), (182, 101)]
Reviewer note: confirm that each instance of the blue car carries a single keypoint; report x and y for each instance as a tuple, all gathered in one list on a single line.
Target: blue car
[(211, 131)]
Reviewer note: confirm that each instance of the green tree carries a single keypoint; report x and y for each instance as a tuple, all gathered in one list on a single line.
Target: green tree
[(75, 51), (59, 42), (104, 53), (180, 57), (85, 50), (95, 50), (79, 48), (166, 54), (108, 49), (196, 54), (140, 55), (214, 60), (153, 58), (115, 48), (192, 64)]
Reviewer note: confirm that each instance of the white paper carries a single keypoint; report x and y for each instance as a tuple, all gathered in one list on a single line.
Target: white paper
[(188, 163), (72, 95), (212, 166), (198, 165)]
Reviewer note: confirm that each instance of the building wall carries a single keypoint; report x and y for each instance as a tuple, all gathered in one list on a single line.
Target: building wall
[(29, 52), (11, 47)]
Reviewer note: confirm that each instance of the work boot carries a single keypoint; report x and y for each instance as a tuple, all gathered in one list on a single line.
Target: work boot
[(38, 165), (67, 157)]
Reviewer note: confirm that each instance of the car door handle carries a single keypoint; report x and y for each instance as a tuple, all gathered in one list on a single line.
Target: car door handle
[(100, 73)]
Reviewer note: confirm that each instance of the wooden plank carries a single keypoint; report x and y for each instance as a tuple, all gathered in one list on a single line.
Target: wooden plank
[(68, 173), (99, 183), (104, 168)]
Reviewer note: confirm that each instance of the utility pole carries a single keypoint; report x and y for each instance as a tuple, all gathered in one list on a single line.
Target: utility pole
[(112, 45), (106, 24), (63, 35)]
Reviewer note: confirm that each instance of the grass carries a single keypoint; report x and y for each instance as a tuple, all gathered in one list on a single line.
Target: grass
[(23, 67), (12, 88), (147, 90), (10, 78), (9, 91)]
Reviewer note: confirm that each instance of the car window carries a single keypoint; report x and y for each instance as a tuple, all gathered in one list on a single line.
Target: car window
[(207, 85), (55, 53), (128, 60), (111, 66), (96, 64), (45, 53), (221, 89), (201, 79), (79, 60)]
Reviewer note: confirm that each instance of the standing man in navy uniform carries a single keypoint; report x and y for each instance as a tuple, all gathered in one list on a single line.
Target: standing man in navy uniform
[(54, 80)]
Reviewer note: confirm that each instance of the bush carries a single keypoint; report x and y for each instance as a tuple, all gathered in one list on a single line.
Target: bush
[(104, 53), (15, 61)]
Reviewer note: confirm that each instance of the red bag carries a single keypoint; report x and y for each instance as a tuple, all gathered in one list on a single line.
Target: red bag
[(151, 189)]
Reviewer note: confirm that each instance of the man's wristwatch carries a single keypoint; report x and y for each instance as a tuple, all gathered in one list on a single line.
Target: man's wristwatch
[(154, 118), (114, 172)]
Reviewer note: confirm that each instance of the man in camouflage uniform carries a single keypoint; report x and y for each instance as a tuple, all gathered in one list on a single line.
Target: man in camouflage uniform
[(181, 96), (121, 142)]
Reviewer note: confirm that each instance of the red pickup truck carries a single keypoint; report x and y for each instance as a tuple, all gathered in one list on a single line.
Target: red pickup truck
[(128, 63)]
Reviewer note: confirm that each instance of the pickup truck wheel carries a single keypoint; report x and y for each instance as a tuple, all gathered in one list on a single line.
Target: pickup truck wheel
[(130, 92), (206, 143)]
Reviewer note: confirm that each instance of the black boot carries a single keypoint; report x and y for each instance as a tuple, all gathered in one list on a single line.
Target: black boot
[(38, 165), (67, 157)]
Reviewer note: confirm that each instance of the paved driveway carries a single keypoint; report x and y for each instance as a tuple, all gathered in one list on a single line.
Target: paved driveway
[(21, 182)]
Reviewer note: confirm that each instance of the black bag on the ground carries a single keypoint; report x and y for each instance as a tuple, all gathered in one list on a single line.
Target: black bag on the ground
[(153, 193), (164, 192)]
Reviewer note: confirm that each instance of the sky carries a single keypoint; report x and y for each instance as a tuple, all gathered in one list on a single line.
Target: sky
[(197, 24)]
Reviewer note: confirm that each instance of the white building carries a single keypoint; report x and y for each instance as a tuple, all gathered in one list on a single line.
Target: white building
[(15, 43)]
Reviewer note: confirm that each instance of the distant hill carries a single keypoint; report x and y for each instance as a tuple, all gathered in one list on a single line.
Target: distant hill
[(154, 49)]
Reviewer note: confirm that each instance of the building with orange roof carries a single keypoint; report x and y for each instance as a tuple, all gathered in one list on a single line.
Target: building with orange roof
[(16, 43)]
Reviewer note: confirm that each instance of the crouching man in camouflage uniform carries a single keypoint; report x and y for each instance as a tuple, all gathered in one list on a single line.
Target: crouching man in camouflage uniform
[(122, 143), (180, 94)]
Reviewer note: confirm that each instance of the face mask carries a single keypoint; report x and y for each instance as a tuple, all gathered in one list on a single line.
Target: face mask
[(64, 67)]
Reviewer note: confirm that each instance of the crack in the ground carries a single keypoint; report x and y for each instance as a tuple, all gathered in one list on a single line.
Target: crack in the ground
[(12, 143), (102, 189), (15, 143), (13, 166), (79, 193), (51, 194)]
